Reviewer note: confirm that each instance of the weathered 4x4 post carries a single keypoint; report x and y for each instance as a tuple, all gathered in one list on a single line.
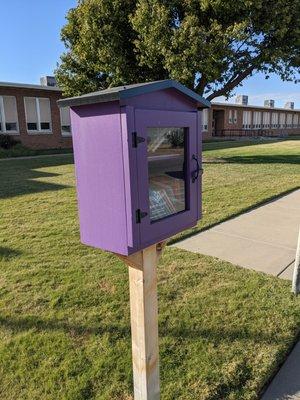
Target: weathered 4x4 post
[(144, 321)]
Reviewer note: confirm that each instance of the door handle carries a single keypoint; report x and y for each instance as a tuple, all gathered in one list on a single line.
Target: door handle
[(195, 174)]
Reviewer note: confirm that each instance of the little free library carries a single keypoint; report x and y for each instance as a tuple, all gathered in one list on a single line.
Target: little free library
[(137, 151)]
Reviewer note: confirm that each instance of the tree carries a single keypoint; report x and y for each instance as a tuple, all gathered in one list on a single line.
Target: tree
[(209, 45)]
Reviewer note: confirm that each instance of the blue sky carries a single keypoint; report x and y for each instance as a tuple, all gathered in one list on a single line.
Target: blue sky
[(30, 47), (30, 43), (258, 88)]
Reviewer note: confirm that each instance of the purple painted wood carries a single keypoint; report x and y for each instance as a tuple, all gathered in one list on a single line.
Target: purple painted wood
[(167, 99), (98, 154), (199, 152), (130, 177), (112, 175)]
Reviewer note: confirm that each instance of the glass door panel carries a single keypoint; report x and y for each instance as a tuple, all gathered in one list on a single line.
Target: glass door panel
[(168, 195), (166, 155)]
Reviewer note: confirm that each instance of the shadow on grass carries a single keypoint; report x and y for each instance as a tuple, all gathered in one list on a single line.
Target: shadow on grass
[(20, 324), (230, 144), (18, 177), (7, 253), (259, 159), (20, 151), (261, 203), (38, 324)]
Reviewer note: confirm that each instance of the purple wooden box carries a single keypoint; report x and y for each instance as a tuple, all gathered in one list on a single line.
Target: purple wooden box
[(137, 153)]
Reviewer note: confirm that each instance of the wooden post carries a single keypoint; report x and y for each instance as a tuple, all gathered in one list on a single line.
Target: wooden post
[(296, 276), (144, 321)]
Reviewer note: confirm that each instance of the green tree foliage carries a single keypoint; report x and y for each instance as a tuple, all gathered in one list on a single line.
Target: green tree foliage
[(209, 45)]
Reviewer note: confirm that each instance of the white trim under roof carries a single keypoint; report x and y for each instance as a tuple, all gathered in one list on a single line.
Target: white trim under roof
[(29, 86), (252, 106)]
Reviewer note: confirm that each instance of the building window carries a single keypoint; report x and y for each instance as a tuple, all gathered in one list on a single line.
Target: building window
[(295, 121), (247, 119), (65, 121), (38, 114), (205, 119), (256, 119), (266, 120), (289, 120), (282, 120), (232, 118), (8, 115), (275, 120), (235, 116)]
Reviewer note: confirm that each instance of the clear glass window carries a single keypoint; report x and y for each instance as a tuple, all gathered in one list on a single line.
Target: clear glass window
[(235, 116), (32, 126), (65, 121), (45, 126), (8, 114), (38, 114), (45, 114), (11, 126), (31, 113), (205, 119), (166, 152)]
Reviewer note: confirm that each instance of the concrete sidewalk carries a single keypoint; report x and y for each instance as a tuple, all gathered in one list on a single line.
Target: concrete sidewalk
[(263, 239), (286, 384)]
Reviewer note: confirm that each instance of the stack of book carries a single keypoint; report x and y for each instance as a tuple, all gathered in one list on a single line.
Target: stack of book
[(166, 195)]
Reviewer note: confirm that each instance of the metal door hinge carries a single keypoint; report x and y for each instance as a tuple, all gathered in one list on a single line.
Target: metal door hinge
[(139, 215), (136, 139)]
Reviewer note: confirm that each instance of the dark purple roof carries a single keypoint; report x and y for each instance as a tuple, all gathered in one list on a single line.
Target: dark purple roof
[(123, 92)]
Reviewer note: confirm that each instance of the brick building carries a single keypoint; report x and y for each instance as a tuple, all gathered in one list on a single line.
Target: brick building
[(30, 114), (240, 119)]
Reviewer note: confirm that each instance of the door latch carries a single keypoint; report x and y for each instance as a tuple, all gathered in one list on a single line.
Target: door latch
[(139, 215), (136, 140)]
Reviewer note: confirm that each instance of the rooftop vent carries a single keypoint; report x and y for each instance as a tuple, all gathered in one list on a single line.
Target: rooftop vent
[(48, 81), (290, 105), (242, 99), (269, 103)]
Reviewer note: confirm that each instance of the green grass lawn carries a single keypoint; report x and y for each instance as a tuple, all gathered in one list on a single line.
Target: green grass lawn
[(64, 319)]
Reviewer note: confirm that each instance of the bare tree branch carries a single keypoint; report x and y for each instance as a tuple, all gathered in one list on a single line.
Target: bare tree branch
[(232, 83), (201, 85)]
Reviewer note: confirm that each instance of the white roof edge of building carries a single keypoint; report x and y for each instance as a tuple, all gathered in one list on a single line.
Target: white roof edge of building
[(217, 103), (29, 86)]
